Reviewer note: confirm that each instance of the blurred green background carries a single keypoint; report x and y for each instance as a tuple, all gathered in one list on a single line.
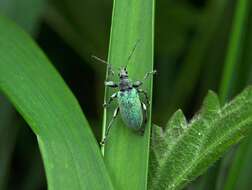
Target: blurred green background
[(192, 41)]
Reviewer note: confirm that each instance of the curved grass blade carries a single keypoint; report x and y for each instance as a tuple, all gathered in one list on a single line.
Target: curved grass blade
[(126, 152), (70, 153)]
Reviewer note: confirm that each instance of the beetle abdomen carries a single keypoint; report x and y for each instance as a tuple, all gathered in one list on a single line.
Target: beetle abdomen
[(130, 108)]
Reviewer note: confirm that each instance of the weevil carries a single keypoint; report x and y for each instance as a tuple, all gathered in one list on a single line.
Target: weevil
[(133, 111)]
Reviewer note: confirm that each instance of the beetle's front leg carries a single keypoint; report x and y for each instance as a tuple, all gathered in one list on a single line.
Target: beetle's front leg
[(111, 98), (109, 126), (145, 95), (138, 83), (150, 73), (111, 84)]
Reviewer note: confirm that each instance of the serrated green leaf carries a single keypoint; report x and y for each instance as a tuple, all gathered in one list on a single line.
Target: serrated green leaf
[(211, 104), (207, 137), (176, 126), (70, 153)]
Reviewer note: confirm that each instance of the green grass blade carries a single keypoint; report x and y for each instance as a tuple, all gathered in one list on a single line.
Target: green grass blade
[(26, 13), (127, 153), (234, 48), (184, 151), (231, 69), (240, 171), (70, 153)]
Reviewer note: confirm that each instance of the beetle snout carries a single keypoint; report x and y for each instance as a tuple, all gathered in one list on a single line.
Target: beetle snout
[(123, 73)]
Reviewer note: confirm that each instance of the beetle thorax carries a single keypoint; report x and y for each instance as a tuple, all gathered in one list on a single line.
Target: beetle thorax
[(125, 84)]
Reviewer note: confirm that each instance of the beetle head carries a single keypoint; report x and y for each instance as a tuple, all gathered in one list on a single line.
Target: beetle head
[(123, 73)]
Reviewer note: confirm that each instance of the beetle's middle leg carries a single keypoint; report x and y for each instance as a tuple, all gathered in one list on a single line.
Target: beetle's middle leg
[(111, 98), (109, 126), (145, 95), (150, 73)]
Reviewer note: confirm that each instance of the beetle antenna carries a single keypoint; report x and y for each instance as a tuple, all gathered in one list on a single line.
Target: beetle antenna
[(100, 60), (132, 52), (104, 62)]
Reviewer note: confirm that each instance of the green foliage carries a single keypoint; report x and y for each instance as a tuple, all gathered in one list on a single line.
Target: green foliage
[(71, 156), (28, 18), (195, 36), (183, 151)]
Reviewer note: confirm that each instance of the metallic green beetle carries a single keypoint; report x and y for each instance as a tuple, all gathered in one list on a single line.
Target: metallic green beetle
[(133, 111)]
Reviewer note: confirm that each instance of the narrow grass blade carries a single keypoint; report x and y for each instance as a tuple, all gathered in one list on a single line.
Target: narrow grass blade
[(126, 152), (70, 153), (234, 48)]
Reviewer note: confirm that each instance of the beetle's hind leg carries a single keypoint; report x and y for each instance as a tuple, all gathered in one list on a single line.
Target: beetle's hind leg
[(109, 126), (144, 108), (111, 98)]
